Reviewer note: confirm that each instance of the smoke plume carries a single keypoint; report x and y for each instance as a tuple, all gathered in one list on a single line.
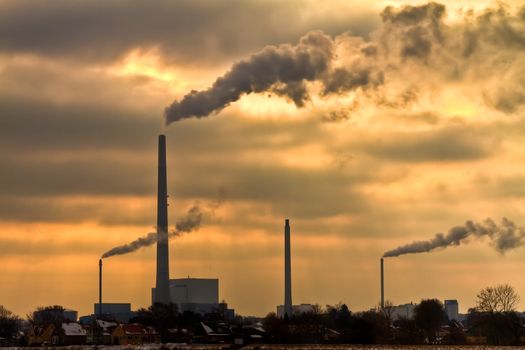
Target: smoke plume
[(503, 237), (412, 41), (192, 221)]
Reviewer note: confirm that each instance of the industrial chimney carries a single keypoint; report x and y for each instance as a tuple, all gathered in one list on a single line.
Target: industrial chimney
[(287, 271), (162, 290), (382, 285), (100, 287)]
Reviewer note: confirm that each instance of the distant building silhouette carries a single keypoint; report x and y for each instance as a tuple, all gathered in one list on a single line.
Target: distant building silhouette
[(199, 295), (452, 310), (296, 309), (402, 311), (120, 312)]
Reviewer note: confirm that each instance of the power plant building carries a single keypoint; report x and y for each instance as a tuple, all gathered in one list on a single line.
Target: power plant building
[(296, 309), (117, 311), (402, 311), (200, 295), (452, 310)]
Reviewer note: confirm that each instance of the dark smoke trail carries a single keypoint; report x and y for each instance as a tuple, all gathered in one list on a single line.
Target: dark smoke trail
[(503, 237), (192, 221), (283, 70), (410, 39)]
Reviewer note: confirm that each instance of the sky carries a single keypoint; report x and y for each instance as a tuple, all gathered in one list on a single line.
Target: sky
[(368, 124)]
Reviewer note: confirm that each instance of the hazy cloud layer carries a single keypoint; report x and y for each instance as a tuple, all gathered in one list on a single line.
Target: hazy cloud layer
[(185, 31), (448, 144)]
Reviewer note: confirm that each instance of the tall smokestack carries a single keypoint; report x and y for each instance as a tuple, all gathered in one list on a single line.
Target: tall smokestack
[(162, 292), (382, 285), (100, 287), (287, 271)]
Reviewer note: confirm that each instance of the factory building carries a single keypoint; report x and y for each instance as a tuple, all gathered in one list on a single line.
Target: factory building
[(296, 309), (194, 290), (452, 310), (120, 312), (402, 311), (199, 295)]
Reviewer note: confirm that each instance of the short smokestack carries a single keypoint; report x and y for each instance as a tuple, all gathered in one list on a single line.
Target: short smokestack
[(382, 285), (287, 271), (100, 287)]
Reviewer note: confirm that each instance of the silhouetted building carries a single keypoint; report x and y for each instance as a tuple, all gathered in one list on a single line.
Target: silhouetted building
[(199, 295), (120, 312), (70, 315), (402, 311), (73, 334), (452, 310), (133, 334), (296, 309)]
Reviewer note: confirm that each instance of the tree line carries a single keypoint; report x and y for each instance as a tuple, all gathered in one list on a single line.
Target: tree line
[(493, 320)]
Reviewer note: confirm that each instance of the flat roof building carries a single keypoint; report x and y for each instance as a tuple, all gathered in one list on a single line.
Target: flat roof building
[(452, 310)]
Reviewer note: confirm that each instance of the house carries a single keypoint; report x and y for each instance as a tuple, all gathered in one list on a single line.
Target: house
[(104, 329), (73, 334), (128, 334), (41, 335), (208, 335)]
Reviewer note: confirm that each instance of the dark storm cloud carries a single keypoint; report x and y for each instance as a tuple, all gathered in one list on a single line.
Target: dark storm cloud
[(447, 144), (187, 31)]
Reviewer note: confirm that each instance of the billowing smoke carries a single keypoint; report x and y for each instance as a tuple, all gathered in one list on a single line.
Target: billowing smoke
[(412, 48), (192, 221), (503, 236), (283, 70)]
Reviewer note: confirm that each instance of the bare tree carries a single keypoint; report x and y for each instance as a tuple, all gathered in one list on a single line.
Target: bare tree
[(9, 324), (502, 298)]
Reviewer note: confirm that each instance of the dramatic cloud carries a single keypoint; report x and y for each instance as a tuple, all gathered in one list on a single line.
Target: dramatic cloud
[(410, 38), (425, 127), (185, 31), (503, 237)]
